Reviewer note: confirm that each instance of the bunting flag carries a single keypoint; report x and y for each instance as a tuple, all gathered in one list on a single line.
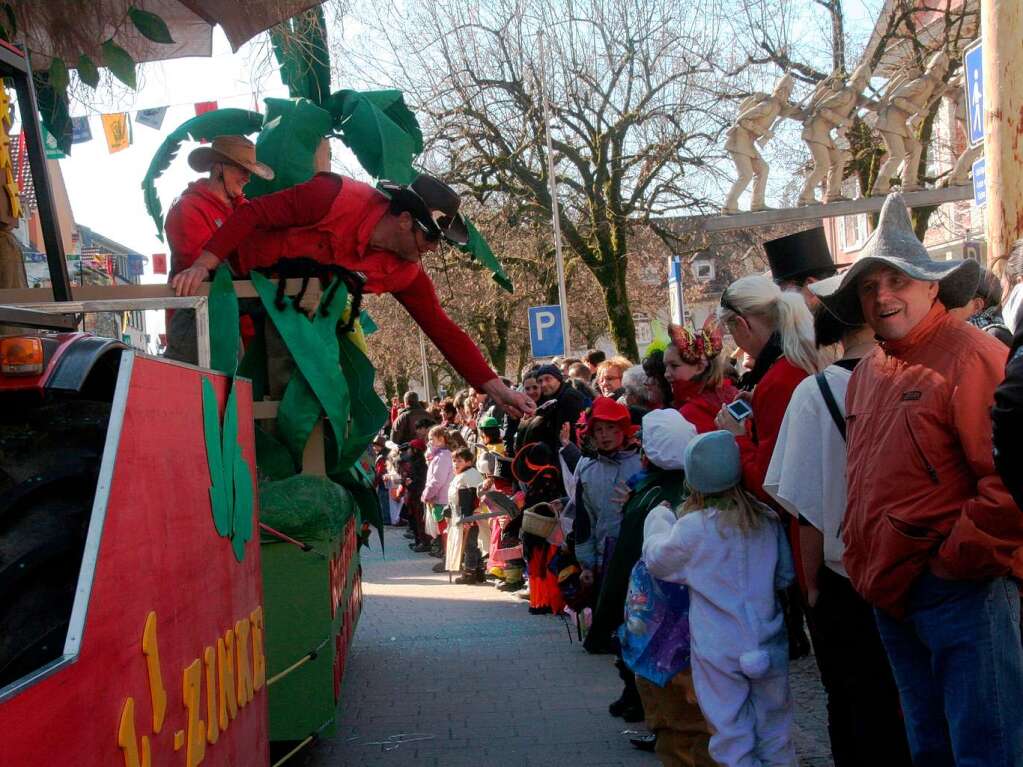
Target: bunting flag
[(52, 146), (159, 263), (115, 127), (80, 130), (151, 118), (201, 108)]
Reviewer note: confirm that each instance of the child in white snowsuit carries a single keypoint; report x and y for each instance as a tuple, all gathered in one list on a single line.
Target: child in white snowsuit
[(732, 553)]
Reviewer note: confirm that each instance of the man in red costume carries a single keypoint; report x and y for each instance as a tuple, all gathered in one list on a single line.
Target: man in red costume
[(339, 221)]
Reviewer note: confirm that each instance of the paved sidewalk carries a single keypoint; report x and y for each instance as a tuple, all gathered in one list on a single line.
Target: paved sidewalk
[(445, 676)]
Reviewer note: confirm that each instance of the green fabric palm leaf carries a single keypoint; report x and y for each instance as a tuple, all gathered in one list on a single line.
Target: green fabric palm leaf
[(478, 248), (380, 130), (300, 47), (287, 143), (204, 127)]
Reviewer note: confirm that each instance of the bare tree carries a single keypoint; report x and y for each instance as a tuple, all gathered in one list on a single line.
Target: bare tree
[(635, 113)]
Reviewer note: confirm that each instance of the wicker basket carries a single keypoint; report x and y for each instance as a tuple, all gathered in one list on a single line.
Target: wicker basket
[(539, 520)]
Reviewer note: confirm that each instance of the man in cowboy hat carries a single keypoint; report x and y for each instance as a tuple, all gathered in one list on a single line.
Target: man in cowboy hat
[(932, 536), (202, 209), (380, 233)]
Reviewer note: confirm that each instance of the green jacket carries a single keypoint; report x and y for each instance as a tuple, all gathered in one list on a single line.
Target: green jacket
[(655, 487)]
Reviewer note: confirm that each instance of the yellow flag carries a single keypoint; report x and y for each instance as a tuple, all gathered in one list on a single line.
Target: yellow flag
[(115, 127)]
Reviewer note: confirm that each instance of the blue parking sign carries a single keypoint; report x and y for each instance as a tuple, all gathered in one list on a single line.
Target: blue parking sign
[(973, 81), (546, 333)]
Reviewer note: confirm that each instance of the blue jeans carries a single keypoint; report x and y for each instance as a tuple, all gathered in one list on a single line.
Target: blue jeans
[(958, 664)]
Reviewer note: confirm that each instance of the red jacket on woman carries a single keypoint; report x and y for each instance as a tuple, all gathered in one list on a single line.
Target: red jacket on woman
[(699, 405), (770, 400)]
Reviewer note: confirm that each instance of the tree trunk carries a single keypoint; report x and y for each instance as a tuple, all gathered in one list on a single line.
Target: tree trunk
[(616, 304)]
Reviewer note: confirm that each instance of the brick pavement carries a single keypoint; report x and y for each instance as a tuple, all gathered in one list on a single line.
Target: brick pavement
[(446, 676)]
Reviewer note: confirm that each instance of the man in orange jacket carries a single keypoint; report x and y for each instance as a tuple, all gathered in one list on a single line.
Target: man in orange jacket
[(931, 532)]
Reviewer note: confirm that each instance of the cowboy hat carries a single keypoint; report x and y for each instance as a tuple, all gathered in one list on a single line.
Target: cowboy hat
[(894, 244), (434, 206), (236, 150)]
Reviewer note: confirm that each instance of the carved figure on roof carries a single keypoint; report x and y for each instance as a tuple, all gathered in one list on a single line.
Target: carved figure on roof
[(754, 124), (827, 119), (899, 116), (960, 175)]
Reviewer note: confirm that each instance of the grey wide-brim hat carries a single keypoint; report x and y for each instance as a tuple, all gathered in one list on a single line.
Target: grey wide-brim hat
[(894, 244)]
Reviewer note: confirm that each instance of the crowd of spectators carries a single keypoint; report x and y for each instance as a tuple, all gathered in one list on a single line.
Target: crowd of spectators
[(846, 482)]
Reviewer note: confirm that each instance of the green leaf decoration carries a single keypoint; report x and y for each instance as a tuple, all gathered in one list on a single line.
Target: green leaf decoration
[(120, 63), (88, 73), (223, 312), (369, 326), (53, 110), (369, 413), (151, 26), (220, 496), (478, 248), (58, 73), (244, 506), (380, 130), (10, 23), (287, 143), (314, 346), (300, 47), (219, 122)]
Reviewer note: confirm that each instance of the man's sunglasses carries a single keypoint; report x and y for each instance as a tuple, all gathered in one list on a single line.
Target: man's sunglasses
[(727, 304)]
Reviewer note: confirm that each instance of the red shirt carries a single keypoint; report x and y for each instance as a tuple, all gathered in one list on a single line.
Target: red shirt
[(193, 218), (331, 219), (770, 400)]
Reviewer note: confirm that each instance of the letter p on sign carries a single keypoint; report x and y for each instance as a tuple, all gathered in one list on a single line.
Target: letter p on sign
[(546, 335)]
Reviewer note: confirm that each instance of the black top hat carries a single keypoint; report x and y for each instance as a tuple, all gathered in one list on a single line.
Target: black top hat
[(799, 255)]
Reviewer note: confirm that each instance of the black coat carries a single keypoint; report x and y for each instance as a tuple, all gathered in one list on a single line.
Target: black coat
[(1007, 420), (404, 429)]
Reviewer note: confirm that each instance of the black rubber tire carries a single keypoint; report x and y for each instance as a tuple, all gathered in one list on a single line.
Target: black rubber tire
[(44, 517)]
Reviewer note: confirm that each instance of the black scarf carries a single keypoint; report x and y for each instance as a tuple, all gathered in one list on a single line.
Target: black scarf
[(768, 356)]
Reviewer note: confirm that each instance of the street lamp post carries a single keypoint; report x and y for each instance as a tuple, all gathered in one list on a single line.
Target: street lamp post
[(555, 208)]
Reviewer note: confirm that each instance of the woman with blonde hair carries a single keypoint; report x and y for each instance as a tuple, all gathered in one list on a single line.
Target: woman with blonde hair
[(609, 376), (776, 329)]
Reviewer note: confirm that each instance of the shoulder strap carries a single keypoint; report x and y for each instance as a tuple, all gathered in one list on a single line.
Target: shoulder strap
[(829, 400)]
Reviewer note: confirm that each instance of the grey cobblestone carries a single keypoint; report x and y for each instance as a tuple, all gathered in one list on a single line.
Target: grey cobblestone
[(443, 675)]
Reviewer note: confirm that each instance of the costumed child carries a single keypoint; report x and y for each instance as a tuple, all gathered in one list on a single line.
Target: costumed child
[(463, 540), (600, 482), (732, 552), (535, 467), (654, 637), (439, 472), (504, 560)]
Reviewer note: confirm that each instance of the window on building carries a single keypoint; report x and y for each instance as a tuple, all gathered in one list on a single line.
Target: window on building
[(853, 231), (703, 270)]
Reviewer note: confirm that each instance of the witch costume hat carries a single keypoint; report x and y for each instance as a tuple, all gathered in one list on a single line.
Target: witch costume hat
[(795, 257), (894, 244)]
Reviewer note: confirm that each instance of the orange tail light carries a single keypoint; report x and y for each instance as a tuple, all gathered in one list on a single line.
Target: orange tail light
[(21, 356)]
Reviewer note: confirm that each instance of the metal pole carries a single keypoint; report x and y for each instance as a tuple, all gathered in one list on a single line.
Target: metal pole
[(29, 113), (555, 208), (426, 367), (1001, 23)]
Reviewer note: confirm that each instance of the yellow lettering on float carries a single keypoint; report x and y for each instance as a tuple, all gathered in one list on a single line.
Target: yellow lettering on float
[(128, 742), (258, 658), (228, 704), (156, 689), (195, 738), (243, 671), (209, 660)]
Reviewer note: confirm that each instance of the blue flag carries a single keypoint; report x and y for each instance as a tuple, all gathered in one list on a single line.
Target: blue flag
[(151, 118), (80, 130)]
